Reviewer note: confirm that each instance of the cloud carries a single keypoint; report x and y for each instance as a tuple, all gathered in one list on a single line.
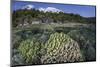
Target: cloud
[(41, 9), (28, 7), (50, 9)]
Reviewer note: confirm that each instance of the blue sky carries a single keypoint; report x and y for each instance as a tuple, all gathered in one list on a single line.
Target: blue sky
[(85, 11)]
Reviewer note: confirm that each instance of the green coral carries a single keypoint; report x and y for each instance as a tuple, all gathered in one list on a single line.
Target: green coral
[(61, 48), (29, 49)]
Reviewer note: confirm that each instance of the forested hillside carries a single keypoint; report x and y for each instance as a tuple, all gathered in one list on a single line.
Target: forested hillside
[(28, 16)]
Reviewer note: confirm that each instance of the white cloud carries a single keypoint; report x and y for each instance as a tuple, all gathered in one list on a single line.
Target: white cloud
[(50, 9), (28, 7), (41, 9)]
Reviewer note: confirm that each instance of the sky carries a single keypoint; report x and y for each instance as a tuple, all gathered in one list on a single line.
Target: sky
[(85, 11)]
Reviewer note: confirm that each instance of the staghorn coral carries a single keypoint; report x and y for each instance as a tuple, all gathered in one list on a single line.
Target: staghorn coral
[(61, 48)]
